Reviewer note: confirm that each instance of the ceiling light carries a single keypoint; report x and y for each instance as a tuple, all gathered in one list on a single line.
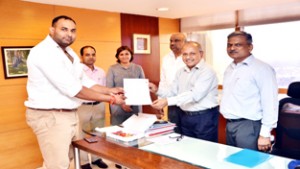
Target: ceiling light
[(162, 9)]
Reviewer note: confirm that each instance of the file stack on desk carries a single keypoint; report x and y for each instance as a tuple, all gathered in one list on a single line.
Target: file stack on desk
[(158, 129), (131, 130)]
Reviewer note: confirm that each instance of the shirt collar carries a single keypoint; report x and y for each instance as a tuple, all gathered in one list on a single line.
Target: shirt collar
[(86, 68), (174, 57), (246, 61), (50, 39)]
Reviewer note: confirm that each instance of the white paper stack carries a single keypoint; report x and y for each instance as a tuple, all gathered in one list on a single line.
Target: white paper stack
[(132, 129)]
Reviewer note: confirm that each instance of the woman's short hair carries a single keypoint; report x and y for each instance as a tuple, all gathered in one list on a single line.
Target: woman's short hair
[(122, 48)]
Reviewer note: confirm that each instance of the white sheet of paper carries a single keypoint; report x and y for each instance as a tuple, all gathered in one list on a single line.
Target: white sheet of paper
[(108, 129), (140, 122), (137, 92)]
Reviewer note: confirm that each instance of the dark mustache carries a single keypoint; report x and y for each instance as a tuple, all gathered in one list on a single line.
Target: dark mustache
[(232, 51)]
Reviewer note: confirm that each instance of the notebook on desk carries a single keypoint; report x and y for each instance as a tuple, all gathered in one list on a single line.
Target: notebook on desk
[(248, 158)]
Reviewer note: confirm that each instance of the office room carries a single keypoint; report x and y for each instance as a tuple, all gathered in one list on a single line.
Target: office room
[(25, 24)]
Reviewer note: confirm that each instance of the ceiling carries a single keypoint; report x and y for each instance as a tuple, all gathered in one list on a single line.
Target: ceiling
[(177, 8)]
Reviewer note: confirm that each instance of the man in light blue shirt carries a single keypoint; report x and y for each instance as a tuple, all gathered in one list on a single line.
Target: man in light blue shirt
[(195, 91), (249, 99)]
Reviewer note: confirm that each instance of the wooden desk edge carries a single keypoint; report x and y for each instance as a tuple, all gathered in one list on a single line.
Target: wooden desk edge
[(131, 157)]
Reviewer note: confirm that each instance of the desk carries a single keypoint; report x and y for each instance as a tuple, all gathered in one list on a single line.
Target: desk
[(131, 157), (193, 151), (209, 154)]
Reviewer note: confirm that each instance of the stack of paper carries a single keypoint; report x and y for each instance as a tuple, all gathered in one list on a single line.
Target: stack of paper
[(131, 130), (160, 129)]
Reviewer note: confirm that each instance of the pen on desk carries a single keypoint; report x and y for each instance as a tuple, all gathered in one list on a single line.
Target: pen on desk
[(178, 138)]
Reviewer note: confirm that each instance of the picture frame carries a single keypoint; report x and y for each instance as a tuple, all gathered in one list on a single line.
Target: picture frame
[(15, 61), (141, 44)]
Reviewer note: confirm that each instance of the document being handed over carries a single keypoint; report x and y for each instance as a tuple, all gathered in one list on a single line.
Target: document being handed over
[(137, 92)]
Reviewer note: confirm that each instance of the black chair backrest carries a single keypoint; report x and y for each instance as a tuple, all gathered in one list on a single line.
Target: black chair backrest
[(294, 90), (288, 128)]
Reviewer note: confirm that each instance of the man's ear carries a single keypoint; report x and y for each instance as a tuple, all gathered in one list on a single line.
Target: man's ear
[(51, 29), (250, 48)]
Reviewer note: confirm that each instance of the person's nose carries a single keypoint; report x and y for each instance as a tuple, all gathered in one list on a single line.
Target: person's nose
[(70, 33), (231, 48), (187, 55)]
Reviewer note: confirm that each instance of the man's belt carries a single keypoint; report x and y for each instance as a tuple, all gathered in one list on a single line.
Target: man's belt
[(192, 113), (235, 120), (91, 103), (57, 110)]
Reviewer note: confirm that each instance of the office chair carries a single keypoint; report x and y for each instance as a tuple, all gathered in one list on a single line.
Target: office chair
[(287, 139)]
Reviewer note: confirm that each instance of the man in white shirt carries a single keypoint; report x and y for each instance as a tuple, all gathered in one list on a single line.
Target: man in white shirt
[(249, 100), (91, 111), (56, 84), (195, 91), (171, 63)]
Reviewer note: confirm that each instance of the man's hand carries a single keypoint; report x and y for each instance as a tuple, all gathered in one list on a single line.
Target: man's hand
[(152, 87), (119, 99), (160, 114), (264, 143), (126, 108), (116, 90), (159, 104)]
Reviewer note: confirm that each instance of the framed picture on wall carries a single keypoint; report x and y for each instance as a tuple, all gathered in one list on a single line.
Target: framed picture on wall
[(14, 61), (141, 44)]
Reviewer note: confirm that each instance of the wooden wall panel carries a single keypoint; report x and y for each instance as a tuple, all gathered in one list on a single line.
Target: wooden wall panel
[(131, 24), (23, 20), (12, 107), (93, 25), (166, 28), (19, 150)]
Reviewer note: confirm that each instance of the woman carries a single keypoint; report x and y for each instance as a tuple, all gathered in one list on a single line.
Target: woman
[(115, 75)]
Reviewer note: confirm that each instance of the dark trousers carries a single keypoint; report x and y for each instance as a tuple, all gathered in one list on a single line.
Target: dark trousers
[(203, 125), (174, 117), (243, 134)]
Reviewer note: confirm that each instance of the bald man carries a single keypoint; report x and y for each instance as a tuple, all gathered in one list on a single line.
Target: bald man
[(171, 63)]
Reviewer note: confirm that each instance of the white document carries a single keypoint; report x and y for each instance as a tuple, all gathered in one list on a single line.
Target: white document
[(137, 92), (134, 124), (108, 129), (140, 122)]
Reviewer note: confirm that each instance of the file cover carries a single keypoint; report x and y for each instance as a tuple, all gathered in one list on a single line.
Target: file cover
[(248, 158)]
